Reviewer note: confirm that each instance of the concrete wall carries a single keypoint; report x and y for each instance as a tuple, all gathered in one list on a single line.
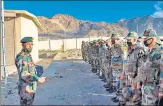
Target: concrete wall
[(10, 41), (74, 43), (28, 28)]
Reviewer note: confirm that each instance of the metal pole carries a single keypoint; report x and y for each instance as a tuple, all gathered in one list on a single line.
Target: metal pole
[(3, 40)]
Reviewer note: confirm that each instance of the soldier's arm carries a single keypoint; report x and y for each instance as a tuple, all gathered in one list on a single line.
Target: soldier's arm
[(27, 74), (140, 59), (161, 77), (124, 57)]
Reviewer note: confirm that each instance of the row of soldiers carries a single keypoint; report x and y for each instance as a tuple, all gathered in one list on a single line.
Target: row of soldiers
[(132, 66)]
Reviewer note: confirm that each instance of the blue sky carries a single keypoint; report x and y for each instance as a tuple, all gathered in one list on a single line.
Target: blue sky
[(95, 11)]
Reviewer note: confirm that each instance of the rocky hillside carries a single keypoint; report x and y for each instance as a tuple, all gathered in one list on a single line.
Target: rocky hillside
[(139, 24), (60, 25)]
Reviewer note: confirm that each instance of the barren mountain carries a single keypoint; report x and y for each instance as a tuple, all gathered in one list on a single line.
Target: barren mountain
[(139, 24), (61, 24)]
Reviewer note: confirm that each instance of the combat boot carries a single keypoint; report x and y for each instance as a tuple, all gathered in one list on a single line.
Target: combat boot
[(94, 70), (104, 79), (106, 85), (98, 72), (111, 90), (116, 100)]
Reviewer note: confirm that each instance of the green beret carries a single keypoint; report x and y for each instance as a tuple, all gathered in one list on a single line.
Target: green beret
[(27, 39)]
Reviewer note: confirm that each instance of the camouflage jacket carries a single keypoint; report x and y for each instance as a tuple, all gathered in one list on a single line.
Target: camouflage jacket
[(152, 69), (117, 56), (108, 56), (134, 60), (82, 47), (26, 70)]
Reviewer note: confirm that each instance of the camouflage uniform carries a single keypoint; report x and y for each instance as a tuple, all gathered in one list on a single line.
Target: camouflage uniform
[(130, 69), (93, 56), (98, 60), (86, 51), (107, 66), (90, 53), (27, 75), (97, 46), (117, 55), (102, 57), (83, 50), (151, 73)]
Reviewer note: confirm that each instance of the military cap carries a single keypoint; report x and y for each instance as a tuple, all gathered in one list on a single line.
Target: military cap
[(151, 33), (27, 39), (132, 35), (115, 35)]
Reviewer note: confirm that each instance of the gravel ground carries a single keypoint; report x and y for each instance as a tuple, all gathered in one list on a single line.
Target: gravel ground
[(69, 82)]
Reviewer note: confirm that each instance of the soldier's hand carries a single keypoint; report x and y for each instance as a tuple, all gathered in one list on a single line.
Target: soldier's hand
[(41, 79)]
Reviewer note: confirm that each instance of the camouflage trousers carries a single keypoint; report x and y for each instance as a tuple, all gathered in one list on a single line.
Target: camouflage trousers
[(98, 66), (86, 57), (115, 74), (92, 59), (108, 74), (28, 101), (149, 94), (136, 97), (94, 62), (83, 55), (102, 66), (125, 96), (25, 97)]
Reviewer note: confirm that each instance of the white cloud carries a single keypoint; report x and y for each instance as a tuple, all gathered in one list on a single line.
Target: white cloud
[(158, 14), (159, 10), (157, 7)]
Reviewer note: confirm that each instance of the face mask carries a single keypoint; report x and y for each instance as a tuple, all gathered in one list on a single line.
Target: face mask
[(146, 44), (129, 44), (28, 50), (104, 47)]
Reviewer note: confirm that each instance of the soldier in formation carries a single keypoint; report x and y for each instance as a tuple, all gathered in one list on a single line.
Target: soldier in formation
[(133, 69)]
